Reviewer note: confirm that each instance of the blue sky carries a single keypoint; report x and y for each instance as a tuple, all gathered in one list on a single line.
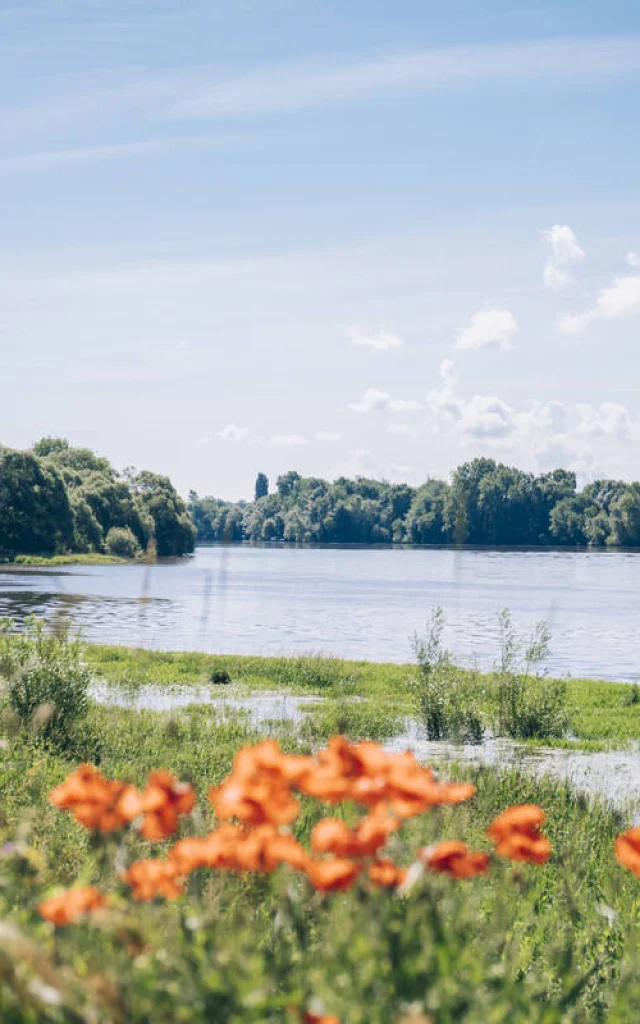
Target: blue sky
[(342, 237)]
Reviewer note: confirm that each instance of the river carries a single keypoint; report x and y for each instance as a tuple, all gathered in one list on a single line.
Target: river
[(361, 603)]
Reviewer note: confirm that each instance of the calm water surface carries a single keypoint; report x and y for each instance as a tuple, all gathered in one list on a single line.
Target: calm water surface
[(356, 603)]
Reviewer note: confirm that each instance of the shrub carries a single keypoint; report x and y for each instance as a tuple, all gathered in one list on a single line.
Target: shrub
[(517, 702), (122, 542), (220, 677), (528, 706), (445, 699), (46, 678)]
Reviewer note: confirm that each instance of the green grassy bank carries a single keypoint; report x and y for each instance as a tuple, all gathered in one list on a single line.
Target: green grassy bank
[(45, 561), (600, 712)]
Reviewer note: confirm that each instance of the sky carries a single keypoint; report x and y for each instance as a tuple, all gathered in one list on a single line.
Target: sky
[(354, 237)]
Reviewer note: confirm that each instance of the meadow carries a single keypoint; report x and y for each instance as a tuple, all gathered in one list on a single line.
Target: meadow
[(540, 938)]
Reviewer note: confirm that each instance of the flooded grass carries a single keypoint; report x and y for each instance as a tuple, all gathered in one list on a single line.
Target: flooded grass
[(600, 712)]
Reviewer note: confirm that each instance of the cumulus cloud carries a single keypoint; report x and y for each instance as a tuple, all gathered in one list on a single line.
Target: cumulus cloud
[(619, 300), (288, 440), (565, 251), (633, 259), (328, 436), (485, 416), (579, 436), (488, 328), (380, 401), (380, 340), (234, 433), (608, 420)]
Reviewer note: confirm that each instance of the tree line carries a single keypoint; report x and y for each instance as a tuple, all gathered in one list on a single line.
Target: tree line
[(57, 499), (485, 502)]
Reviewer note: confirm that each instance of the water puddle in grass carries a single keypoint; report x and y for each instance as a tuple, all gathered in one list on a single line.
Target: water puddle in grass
[(612, 775), (261, 707)]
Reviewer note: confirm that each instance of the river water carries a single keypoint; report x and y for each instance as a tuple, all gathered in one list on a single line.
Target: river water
[(361, 603)]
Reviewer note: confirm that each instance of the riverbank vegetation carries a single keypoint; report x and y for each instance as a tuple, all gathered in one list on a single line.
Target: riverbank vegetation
[(595, 712), (300, 890), (484, 503), (56, 500)]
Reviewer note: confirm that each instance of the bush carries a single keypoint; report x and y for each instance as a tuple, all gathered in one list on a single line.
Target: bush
[(46, 679), (220, 677), (445, 700), (516, 702), (528, 706), (122, 542)]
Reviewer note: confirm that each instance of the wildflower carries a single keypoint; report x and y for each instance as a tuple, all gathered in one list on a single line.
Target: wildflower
[(327, 875), (455, 858), (385, 872), (365, 773), (72, 905), (258, 791), (516, 834), (150, 878), (98, 803), (332, 835), (628, 850), (164, 799), (314, 1018)]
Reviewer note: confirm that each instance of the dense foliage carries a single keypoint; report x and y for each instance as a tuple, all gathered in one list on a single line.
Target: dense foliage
[(485, 503), (56, 499)]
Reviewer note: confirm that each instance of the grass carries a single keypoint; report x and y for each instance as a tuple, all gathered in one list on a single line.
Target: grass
[(77, 559), (532, 944), (240, 949), (601, 714)]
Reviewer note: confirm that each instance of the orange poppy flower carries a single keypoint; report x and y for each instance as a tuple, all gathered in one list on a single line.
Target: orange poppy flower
[(72, 905), (516, 834), (98, 803), (327, 875), (385, 872), (325, 1018), (150, 878), (525, 848), (331, 835), (524, 819), (258, 790), (455, 858), (164, 799), (628, 850)]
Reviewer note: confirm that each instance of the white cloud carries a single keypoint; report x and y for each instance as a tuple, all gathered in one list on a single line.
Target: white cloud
[(633, 259), (234, 433), (485, 416), (403, 430), (488, 328), (609, 420), (374, 400), (380, 341), (288, 440), (619, 300), (328, 436), (564, 252)]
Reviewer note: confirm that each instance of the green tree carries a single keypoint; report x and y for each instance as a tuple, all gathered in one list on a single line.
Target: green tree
[(173, 530), (262, 486), (35, 513)]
